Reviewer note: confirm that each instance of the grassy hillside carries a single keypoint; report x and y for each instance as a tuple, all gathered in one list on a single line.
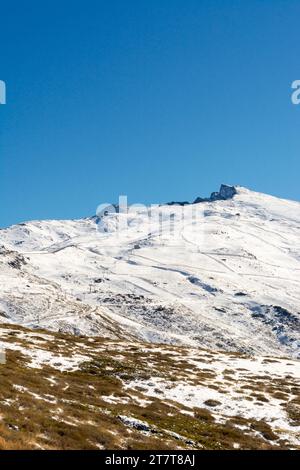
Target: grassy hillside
[(59, 391)]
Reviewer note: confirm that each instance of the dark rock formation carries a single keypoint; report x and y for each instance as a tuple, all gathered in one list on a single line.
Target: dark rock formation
[(225, 192)]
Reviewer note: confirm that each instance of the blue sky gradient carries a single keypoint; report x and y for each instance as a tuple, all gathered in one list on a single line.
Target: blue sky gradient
[(158, 100)]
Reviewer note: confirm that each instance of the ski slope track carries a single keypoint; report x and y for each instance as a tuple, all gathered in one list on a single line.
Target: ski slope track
[(227, 280)]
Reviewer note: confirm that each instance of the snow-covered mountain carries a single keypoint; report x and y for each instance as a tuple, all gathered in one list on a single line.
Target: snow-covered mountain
[(59, 391), (221, 273)]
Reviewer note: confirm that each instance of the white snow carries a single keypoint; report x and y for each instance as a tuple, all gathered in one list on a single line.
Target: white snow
[(40, 357), (212, 283), (230, 402)]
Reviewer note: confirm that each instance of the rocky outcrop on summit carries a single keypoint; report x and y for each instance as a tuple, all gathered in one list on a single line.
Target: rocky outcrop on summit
[(225, 192)]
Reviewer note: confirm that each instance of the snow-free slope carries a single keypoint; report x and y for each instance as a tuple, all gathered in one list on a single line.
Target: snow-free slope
[(225, 277)]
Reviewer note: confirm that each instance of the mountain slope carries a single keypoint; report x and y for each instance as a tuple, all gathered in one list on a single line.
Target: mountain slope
[(58, 391), (222, 273)]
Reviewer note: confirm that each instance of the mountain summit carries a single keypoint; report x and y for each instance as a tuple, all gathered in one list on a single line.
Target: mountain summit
[(227, 278)]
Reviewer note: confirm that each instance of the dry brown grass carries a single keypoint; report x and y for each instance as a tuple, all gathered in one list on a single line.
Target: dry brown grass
[(70, 410)]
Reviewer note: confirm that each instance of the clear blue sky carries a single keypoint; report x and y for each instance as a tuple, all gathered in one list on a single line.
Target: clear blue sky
[(159, 100)]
